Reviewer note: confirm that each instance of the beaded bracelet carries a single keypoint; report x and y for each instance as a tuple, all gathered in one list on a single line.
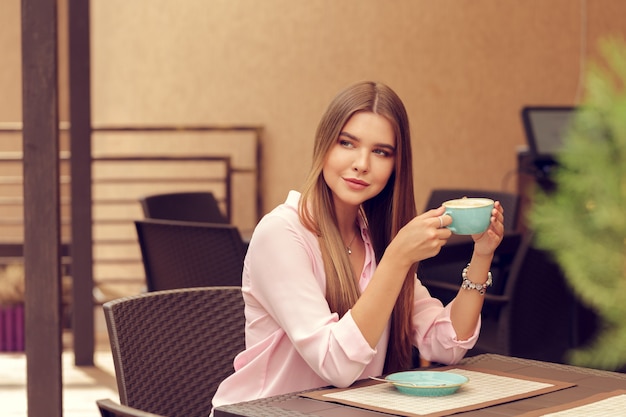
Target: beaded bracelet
[(469, 285)]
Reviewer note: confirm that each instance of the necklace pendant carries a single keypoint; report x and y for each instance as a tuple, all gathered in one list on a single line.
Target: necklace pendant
[(349, 251)]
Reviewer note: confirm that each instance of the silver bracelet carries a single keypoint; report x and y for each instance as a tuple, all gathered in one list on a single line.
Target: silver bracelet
[(469, 285)]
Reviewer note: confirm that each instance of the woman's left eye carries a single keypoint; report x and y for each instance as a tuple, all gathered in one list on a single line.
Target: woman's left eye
[(382, 152)]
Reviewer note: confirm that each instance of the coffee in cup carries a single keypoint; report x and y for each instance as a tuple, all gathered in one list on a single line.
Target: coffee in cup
[(470, 215)]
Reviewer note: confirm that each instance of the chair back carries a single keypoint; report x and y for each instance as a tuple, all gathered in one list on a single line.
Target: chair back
[(189, 254), (200, 206), (109, 408), (442, 274), (510, 201), (171, 349)]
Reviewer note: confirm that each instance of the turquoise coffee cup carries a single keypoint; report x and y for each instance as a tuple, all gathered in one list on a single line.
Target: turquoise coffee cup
[(469, 215)]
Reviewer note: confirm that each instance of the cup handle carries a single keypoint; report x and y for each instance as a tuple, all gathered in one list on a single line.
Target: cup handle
[(450, 227)]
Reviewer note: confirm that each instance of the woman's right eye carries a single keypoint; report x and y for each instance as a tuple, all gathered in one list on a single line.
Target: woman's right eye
[(346, 143)]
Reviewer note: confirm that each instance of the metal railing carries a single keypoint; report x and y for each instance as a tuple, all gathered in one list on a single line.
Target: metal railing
[(116, 253)]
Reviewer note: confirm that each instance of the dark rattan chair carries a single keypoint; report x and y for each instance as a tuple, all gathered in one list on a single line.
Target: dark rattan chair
[(540, 317), (201, 206), (171, 349), (109, 408), (189, 254), (442, 273), (529, 312)]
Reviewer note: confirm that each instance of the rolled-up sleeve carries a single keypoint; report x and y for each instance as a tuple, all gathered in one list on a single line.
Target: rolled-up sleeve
[(433, 331)]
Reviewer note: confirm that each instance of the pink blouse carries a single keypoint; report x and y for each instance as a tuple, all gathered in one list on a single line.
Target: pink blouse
[(293, 341)]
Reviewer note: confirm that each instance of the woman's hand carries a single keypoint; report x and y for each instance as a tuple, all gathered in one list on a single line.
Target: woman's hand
[(486, 243), (422, 237)]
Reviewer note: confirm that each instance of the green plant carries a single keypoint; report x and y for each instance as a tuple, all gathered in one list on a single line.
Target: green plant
[(11, 284), (583, 221)]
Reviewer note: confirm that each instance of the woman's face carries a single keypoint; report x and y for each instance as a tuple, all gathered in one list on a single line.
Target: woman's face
[(362, 159)]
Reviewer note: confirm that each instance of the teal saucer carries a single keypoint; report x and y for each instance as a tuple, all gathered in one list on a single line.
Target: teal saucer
[(427, 383)]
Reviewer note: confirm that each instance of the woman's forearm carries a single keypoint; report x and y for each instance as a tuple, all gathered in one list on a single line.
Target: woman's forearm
[(468, 303), (372, 311)]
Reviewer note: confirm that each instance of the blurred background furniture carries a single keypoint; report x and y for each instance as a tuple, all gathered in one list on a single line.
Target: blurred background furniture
[(189, 254), (532, 315), (171, 349), (442, 273), (201, 206), (530, 311), (109, 408)]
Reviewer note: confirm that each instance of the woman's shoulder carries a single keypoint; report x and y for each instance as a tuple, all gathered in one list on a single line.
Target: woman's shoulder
[(287, 210), (283, 216), (282, 230)]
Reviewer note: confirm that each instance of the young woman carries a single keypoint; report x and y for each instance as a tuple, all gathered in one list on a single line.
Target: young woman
[(329, 279)]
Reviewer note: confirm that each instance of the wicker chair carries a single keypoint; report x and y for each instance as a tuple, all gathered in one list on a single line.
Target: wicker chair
[(198, 206), (171, 349), (109, 408), (189, 254)]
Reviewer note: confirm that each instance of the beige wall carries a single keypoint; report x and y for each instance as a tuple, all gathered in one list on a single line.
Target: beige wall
[(10, 69), (463, 67)]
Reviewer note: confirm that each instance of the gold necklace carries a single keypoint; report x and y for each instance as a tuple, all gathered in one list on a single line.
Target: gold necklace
[(349, 248)]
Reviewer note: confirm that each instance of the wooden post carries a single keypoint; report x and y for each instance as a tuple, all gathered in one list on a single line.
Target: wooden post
[(80, 134), (41, 208)]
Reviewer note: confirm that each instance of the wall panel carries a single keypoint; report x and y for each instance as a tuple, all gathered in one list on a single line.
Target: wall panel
[(463, 67)]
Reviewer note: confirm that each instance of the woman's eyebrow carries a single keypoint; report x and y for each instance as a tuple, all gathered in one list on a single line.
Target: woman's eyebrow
[(344, 133), (386, 146)]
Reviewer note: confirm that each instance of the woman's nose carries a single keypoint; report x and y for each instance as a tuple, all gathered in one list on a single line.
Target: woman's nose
[(361, 162)]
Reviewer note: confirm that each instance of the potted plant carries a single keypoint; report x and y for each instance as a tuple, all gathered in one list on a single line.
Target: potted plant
[(582, 222), (12, 307)]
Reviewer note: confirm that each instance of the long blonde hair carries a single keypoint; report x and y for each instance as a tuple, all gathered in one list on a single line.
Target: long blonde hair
[(386, 213)]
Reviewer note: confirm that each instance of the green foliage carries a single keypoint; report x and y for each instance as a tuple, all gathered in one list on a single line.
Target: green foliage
[(583, 222)]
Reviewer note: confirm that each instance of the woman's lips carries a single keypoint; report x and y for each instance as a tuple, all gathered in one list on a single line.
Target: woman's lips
[(356, 184)]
